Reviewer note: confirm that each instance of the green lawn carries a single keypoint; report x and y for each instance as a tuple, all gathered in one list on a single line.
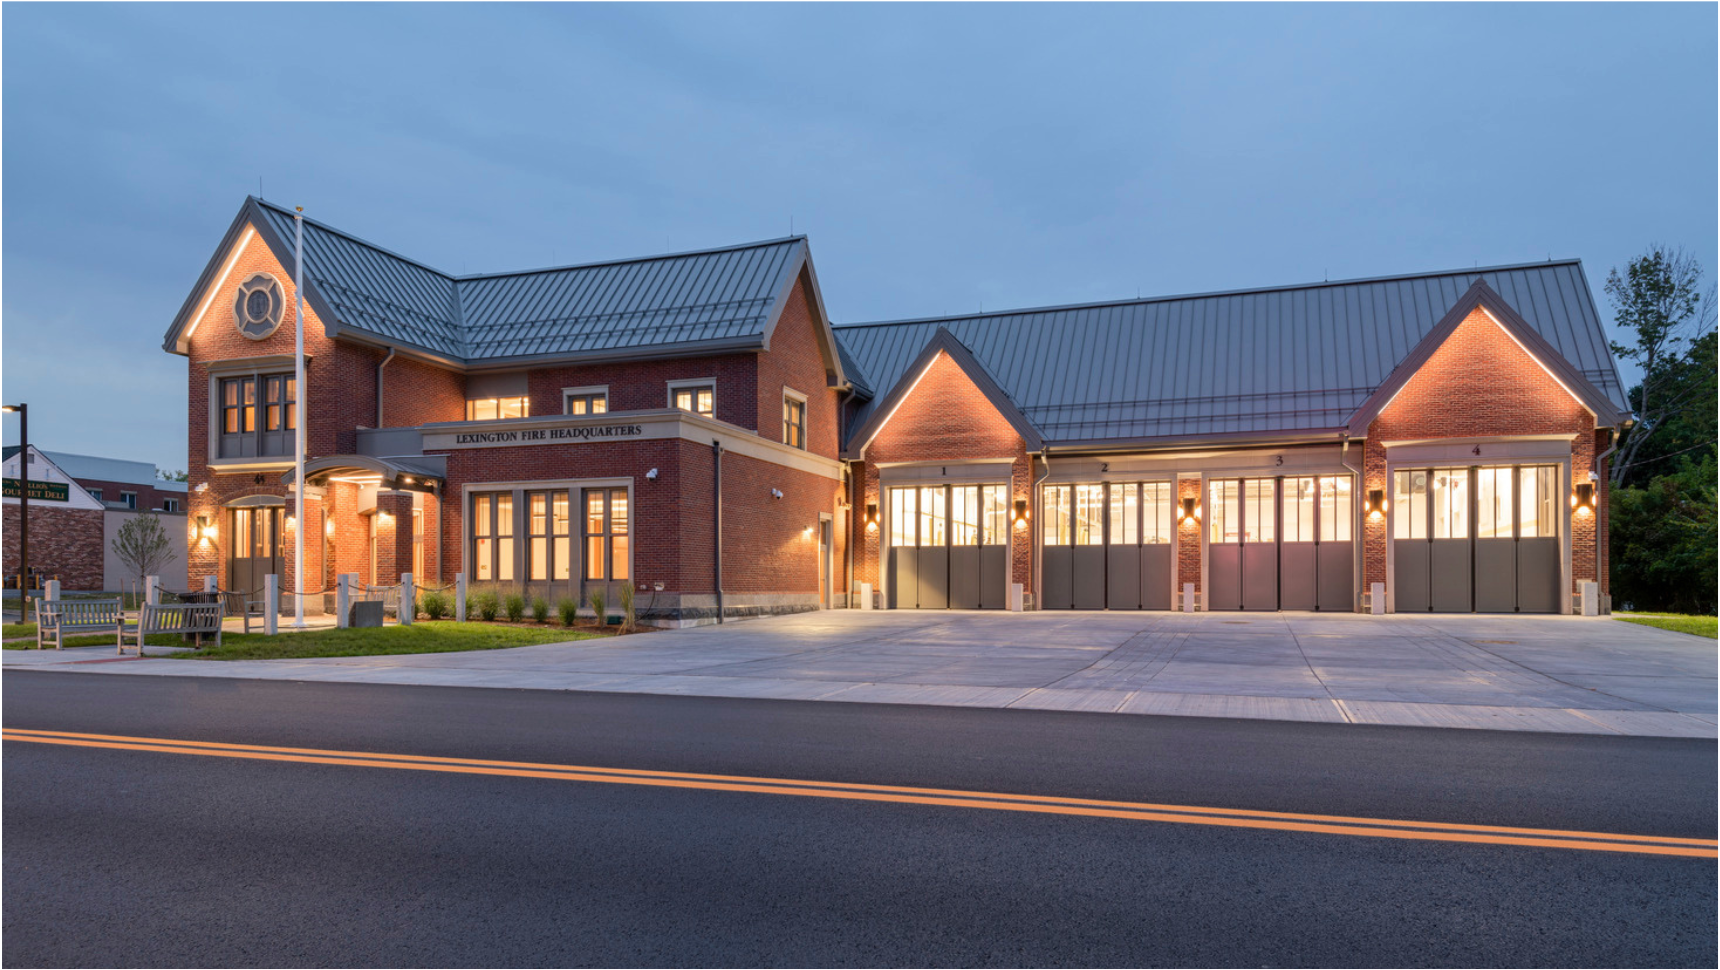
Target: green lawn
[(94, 640), (1701, 626), (10, 630), (442, 636)]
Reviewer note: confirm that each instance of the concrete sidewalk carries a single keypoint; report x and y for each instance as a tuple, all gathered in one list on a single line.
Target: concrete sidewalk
[(1554, 673)]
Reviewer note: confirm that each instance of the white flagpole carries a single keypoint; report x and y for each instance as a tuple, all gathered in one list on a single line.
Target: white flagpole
[(299, 408)]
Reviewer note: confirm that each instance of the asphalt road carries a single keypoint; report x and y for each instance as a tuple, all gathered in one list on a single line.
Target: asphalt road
[(132, 858)]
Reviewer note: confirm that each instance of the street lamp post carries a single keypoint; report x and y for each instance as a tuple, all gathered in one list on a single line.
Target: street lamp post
[(23, 412)]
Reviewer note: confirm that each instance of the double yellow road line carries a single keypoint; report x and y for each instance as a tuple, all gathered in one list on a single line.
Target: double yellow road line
[(1040, 804)]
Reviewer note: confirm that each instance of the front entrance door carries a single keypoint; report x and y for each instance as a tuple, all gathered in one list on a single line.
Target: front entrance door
[(1477, 539), (255, 549), (949, 547)]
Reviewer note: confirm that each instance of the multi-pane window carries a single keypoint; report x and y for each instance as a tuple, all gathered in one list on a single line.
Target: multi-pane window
[(1057, 501), (1089, 515), (96, 494), (1224, 511), (955, 515), (964, 515), (606, 534), (994, 514), (1125, 514), (1299, 506), (169, 505), (1493, 503), (596, 402), (1335, 508), (547, 532), (1259, 520), (1117, 514), (493, 536), (1158, 499), (246, 433), (699, 400), (128, 499), (496, 408), (418, 545), (1409, 504), (932, 517), (794, 422), (904, 506)]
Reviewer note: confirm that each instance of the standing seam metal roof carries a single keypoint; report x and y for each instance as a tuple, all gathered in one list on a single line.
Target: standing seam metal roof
[(1252, 361), (711, 295)]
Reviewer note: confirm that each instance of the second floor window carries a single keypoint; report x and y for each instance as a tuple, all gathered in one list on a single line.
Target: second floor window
[(699, 400), (128, 499), (794, 422), (258, 416), (169, 505), (96, 494), (597, 403), (495, 408)]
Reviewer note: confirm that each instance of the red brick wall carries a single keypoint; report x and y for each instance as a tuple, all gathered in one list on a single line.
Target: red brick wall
[(1188, 539), (643, 385), (946, 417), (415, 393), (148, 496), (393, 524), (1481, 383), (65, 544), (795, 362)]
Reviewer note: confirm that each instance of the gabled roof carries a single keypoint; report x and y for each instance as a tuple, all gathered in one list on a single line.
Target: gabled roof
[(1480, 295), (942, 342), (1247, 363), (707, 301)]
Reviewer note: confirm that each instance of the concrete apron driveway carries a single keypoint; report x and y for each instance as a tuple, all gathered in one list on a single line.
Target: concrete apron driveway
[(1554, 673)]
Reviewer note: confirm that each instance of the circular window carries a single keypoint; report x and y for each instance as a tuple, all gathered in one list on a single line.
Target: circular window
[(259, 306)]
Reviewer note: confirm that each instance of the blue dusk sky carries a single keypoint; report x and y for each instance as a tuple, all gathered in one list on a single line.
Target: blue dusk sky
[(942, 158)]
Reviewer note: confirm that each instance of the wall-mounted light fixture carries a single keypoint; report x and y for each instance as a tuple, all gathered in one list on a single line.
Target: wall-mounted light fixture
[(1584, 500), (328, 528), (651, 475), (1375, 506), (205, 528), (1021, 513), (1190, 511), (776, 493), (871, 516)]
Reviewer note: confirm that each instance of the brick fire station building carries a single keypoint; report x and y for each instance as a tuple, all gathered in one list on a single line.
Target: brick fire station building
[(693, 425)]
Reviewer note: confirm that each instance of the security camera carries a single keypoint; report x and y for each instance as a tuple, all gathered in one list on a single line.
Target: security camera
[(651, 475), (775, 493), (1593, 477)]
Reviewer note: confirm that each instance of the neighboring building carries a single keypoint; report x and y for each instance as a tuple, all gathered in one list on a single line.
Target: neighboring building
[(71, 538), (691, 424)]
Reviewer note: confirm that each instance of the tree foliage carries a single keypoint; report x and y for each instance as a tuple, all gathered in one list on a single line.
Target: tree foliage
[(143, 546), (1664, 541), (1659, 301)]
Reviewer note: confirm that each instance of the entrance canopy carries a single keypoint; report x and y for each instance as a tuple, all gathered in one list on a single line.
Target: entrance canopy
[(411, 474)]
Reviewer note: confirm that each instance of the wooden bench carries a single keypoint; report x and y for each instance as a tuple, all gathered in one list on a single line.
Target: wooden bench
[(195, 619), (58, 619), (239, 604)]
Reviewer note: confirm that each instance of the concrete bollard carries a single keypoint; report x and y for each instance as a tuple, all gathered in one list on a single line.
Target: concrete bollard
[(459, 597), (271, 604), (152, 590), (1017, 597), (1188, 598), (865, 596), (407, 609), (1591, 598), (342, 599), (1377, 599), (209, 584)]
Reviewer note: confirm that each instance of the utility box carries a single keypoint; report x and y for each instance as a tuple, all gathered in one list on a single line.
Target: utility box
[(365, 613)]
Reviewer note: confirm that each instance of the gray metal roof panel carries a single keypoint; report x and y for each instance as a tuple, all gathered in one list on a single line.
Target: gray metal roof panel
[(650, 302), (1259, 360)]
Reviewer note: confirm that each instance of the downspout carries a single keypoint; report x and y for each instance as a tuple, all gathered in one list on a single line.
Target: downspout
[(848, 537), (1595, 470), (717, 484), (1033, 529), (379, 368), (1358, 522)]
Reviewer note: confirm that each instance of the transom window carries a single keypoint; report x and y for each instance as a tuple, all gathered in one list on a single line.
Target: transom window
[(497, 408), (1115, 513), (794, 422)]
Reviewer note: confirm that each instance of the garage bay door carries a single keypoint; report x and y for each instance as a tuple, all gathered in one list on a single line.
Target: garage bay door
[(1107, 546), (949, 547), (1280, 543), (1478, 539)]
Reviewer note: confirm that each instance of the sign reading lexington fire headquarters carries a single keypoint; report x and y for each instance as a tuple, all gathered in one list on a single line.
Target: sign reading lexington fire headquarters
[(39, 491), (543, 435)]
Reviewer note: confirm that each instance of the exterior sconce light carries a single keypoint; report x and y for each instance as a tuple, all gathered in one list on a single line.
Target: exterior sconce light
[(1021, 513), (1584, 500), (871, 516), (1190, 511), (1376, 504), (205, 528), (328, 528)]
